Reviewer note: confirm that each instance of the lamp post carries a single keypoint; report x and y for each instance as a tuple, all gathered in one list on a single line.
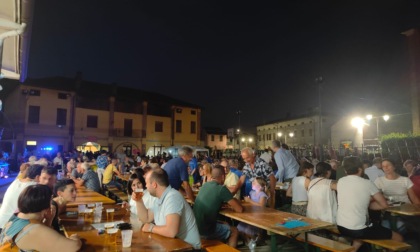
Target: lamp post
[(291, 134), (370, 117), (246, 141)]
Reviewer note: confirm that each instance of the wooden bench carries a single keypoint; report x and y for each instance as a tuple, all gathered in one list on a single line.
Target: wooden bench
[(324, 243), (116, 194), (387, 244), (216, 246)]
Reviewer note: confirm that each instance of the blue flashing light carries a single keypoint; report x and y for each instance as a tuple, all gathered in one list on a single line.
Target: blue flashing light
[(48, 148)]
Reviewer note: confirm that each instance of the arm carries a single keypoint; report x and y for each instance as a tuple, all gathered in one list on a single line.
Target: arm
[(280, 166), (261, 203), (188, 190), (379, 202), (145, 215), (272, 191), (171, 228), (234, 189), (412, 196), (47, 239), (307, 181), (117, 172), (236, 205), (289, 192), (333, 185), (79, 182)]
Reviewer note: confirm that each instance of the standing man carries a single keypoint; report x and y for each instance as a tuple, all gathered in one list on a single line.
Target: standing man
[(101, 163), (256, 167), (375, 171), (287, 165), (58, 162), (355, 196), (171, 213), (207, 207), (177, 170)]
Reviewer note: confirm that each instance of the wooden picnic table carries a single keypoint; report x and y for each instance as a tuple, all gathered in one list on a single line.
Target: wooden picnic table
[(124, 177), (74, 224), (404, 209), (86, 196), (270, 219)]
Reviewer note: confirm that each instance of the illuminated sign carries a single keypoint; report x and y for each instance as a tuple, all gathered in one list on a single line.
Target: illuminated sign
[(30, 142)]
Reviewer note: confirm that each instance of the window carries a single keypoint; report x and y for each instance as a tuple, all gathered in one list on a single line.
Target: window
[(303, 133), (193, 128), (128, 127), (259, 137), (178, 126), (274, 136), (158, 126), (92, 121), (221, 138), (302, 123), (62, 96), (61, 117), (310, 132), (212, 138), (295, 124), (33, 114), (268, 136), (193, 112), (35, 92)]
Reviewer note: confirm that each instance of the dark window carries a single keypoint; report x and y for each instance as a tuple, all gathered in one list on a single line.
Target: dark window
[(178, 126), (274, 135), (193, 112), (92, 121), (62, 96), (303, 133), (179, 110), (302, 123), (310, 132), (33, 115), (221, 138), (259, 137), (158, 126), (212, 138), (35, 92), (128, 127), (193, 128), (61, 116)]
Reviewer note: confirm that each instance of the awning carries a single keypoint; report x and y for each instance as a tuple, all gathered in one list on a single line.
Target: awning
[(15, 18)]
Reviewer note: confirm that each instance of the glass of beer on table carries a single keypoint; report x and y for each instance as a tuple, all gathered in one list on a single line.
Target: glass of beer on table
[(110, 214)]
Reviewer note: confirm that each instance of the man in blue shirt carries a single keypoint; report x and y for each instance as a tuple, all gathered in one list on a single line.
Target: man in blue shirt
[(287, 165), (177, 170)]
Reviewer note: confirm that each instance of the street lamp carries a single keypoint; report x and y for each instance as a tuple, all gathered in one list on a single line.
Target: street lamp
[(370, 117), (246, 141), (291, 134)]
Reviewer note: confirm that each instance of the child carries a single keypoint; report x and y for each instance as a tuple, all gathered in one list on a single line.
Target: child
[(299, 187), (256, 197)]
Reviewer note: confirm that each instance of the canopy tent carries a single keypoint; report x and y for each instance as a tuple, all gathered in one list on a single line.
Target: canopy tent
[(91, 146), (15, 23)]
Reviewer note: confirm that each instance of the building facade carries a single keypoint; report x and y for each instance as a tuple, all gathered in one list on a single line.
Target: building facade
[(299, 131), (59, 114)]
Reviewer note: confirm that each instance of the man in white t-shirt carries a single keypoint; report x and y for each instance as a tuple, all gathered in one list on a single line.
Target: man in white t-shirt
[(375, 171), (355, 196)]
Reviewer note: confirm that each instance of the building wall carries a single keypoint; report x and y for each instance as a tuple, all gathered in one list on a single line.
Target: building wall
[(216, 143), (186, 116), (110, 126), (305, 129)]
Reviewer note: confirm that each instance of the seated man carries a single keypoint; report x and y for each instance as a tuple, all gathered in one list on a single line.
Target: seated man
[(355, 196), (207, 206), (109, 172), (89, 179), (171, 213)]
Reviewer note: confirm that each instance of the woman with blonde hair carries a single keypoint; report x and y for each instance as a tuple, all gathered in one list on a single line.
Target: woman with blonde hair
[(206, 173)]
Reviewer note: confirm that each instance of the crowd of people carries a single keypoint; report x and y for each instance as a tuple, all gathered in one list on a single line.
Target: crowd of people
[(348, 195)]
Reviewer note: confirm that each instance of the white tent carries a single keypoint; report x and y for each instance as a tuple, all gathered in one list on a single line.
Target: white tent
[(15, 23)]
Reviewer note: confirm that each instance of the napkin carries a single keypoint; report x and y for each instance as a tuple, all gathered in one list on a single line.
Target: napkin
[(293, 224)]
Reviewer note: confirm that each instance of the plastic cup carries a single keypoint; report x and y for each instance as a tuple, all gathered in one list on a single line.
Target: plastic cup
[(109, 226), (110, 214), (91, 206), (112, 235), (139, 193), (81, 209), (126, 236), (98, 204), (97, 215)]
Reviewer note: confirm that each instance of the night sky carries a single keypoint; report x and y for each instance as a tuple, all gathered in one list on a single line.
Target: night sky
[(261, 57)]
